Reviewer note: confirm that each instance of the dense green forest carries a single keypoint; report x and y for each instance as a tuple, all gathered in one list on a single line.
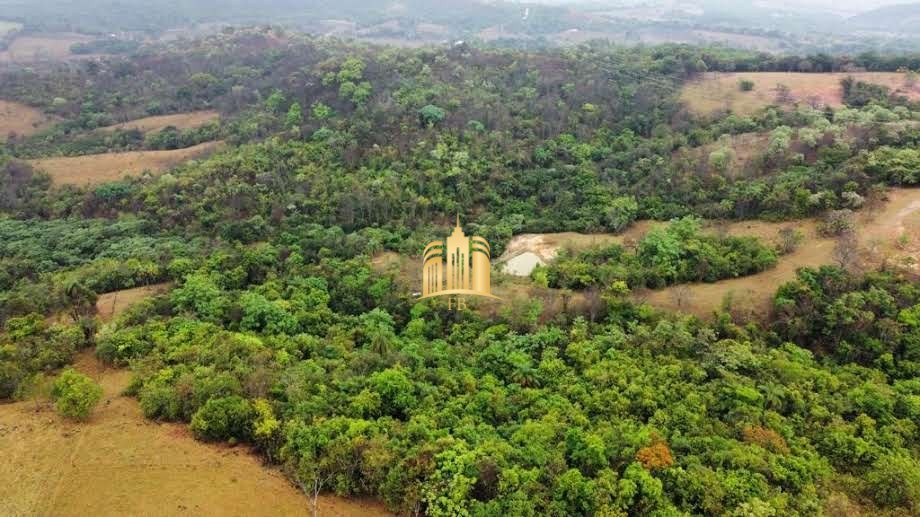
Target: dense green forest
[(279, 331)]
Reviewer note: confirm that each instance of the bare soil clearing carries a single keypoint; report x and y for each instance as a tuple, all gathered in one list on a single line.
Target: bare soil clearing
[(110, 305), (178, 120), (20, 119), (719, 91), (119, 463), (547, 245), (100, 168)]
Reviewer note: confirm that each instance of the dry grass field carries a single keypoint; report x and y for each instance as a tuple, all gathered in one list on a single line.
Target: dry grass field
[(20, 119), (42, 47), (118, 463), (100, 168), (179, 120), (110, 305), (719, 91)]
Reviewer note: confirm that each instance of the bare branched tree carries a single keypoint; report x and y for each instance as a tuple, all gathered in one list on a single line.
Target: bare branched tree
[(846, 251)]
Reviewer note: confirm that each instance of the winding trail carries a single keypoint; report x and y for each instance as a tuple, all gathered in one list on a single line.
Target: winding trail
[(889, 235)]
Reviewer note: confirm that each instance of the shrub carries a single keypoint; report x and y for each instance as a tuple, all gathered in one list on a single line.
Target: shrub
[(227, 418), (160, 401), (836, 223), (895, 481), (75, 395), (746, 85)]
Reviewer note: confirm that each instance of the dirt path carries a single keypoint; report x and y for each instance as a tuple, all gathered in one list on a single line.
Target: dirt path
[(119, 463), (878, 236), (890, 235)]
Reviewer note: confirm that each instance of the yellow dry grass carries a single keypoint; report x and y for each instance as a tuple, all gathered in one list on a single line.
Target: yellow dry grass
[(42, 47), (719, 91), (20, 119), (100, 168), (110, 305), (119, 463), (179, 120)]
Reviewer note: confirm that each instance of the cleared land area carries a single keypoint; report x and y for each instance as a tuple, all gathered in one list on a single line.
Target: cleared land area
[(42, 47), (717, 91), (100, 168), (178, 120), (891, 235), (19, 119), (110, 305), (119, 463)]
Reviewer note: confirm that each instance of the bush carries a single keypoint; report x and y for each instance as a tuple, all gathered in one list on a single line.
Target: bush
[(75, 395), (746, 85), (895, 481), (837, 223), (160, 401), (228, 418)]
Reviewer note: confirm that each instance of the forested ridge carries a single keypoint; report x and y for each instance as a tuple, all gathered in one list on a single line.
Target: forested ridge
[(280, 332)]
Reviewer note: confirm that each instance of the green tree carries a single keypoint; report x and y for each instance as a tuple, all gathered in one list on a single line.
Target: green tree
[(75, 395), (431, 115), (294, 117), (220, 419)]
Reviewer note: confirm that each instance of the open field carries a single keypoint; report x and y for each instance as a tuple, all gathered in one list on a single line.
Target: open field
[(99, 168), (42, 47), (719, 91), (20, 119), (110, 305), (119, 463), (178, 120)]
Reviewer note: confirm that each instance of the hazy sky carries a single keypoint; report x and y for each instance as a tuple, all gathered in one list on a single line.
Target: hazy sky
[(850, 6)]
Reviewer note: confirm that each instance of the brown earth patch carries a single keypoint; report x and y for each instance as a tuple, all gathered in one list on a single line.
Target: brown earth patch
[(42, 47), (21, 120), (119, 463), (100, 168), (179, 121), (110, 305), (716, 91)]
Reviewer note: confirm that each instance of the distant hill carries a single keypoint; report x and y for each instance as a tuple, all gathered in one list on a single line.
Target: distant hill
[(903, 18)]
